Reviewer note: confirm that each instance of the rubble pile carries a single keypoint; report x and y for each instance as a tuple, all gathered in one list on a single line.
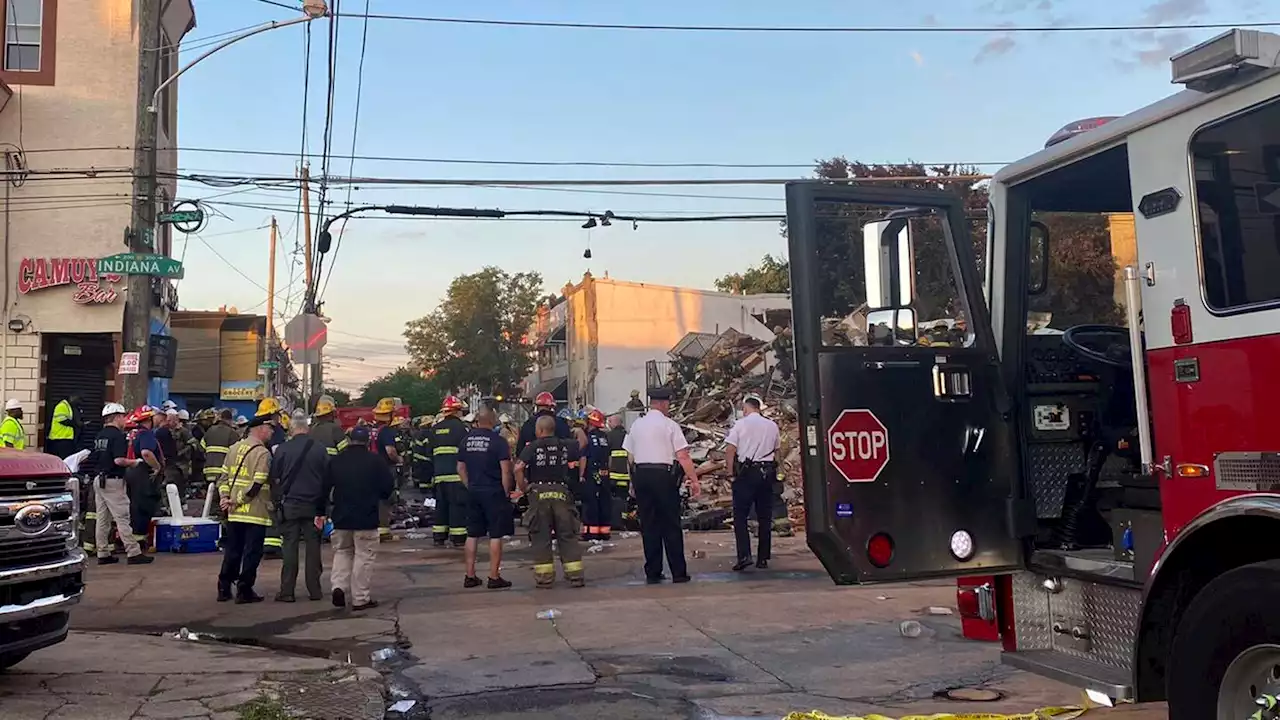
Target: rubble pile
[(708, 388)]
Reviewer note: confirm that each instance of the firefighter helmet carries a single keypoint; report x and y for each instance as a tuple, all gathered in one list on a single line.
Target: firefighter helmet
[(451, 404), (268, 406), (426, 421), (565, 414), (545, 399), (635, 394), (112, 409), (398, 421), (206, 414), (324, 405), (385, 406), (140, 413), (595, 418)]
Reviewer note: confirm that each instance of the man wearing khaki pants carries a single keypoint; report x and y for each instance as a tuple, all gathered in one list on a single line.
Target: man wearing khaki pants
[(355, 482)]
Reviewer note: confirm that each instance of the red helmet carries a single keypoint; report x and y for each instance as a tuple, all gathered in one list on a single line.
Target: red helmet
[(545, 399), (595, 418), (140, 413), (451, 404)]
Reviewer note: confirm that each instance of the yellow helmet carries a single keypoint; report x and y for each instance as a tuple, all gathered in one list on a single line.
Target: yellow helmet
[(284, 419), (398, 421), (325, 405), (268, 406), (385, 406)]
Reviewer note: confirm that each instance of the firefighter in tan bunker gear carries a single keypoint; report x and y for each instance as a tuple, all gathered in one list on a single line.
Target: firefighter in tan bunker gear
[(546, 470), (246, 499)]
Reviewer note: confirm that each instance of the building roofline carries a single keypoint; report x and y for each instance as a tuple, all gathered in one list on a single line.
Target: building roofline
[(699, 291)]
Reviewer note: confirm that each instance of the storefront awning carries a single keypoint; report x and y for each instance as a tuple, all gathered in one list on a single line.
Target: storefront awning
[(558, 387)]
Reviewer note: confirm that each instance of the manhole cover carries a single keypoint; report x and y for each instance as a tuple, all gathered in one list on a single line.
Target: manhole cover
[(972, 694)]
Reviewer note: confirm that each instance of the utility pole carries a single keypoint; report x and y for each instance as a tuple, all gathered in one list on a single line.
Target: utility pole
[(270, 374), (305, 171), (141, 233)]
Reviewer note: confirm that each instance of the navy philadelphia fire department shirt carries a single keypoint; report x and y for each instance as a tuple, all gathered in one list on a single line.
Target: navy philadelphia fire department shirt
[(483, 451)]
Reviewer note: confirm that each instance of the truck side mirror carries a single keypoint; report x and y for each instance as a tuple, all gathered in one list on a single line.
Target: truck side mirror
[(888, 263), (891, 328), (1037, 259)]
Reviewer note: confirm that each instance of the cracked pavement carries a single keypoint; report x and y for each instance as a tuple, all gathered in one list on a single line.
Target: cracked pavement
[(760, 644)]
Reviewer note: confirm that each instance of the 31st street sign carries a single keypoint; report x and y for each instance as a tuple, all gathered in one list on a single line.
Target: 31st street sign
[(141, 264)]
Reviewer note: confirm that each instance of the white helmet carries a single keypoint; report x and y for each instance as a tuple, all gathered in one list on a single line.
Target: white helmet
[(12, 404), (184, 415), (168, 405), (113, 409)]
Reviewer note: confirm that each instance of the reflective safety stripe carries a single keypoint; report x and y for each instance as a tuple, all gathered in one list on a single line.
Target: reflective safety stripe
[(342, 444), (58, 431), (332, 450), (215, 448), (91, 516), (250, 519), (575, 566), (618, 453), (420, 456), (90, 547), (457, 531), (138, 537), (445, 450), (545, 569), (273, 542), (384, 531), (623, 483), (448, 478), (551, 495), (440, 529)]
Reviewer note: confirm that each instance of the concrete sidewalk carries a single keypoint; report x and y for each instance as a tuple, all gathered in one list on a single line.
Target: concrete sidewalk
[(111, 676)]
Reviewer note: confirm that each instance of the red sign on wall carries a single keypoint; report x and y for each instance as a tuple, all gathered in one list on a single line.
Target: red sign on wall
[(91, 288)]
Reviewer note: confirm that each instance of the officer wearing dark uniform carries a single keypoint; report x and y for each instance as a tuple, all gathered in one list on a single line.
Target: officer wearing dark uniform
[(447, 437), (544, 471), (619, 471), (597, 488), (546, 407)]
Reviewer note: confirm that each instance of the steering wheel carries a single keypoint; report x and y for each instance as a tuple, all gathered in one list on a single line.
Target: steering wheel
[(1104, 344)]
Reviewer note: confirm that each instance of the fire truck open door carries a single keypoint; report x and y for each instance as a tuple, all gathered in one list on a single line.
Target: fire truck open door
[(908, 436)]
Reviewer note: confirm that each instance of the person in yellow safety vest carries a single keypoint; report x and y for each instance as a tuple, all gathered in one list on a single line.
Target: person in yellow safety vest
[(382, 438), (324, 428), (420, 452), (63, 428), (451, 495), (11, 433), (246, 499), (273, 544)]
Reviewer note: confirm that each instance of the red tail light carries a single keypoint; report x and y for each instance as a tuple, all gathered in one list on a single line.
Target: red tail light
[(880, 550), (1180, 322)]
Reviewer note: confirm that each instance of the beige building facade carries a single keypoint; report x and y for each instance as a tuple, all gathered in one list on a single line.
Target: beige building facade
[(69, 91)]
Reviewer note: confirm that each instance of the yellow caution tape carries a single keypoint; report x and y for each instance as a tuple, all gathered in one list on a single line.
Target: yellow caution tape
[(1048, 713)]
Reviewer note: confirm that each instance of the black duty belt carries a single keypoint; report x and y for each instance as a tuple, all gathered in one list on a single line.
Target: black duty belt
[(655, 466)]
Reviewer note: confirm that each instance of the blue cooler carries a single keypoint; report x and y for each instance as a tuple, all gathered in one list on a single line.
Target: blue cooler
[(186, 535)]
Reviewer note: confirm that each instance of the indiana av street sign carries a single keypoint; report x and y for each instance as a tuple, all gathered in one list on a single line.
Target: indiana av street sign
[(140, 264)]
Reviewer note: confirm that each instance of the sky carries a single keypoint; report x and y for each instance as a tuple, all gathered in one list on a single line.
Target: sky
[(447, 91)]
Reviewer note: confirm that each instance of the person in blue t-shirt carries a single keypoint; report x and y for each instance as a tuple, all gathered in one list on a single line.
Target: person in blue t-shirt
[(486, 456), (142, 481)]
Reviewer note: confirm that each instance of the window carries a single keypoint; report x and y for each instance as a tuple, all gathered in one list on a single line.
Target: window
[(1237, 186), (29, 38)]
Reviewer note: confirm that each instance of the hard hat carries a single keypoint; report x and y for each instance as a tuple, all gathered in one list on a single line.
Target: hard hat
[(184, 415), (206, 414), (242, 420), (268, 406), (113, 409), (143, 412), (12, 404), (283, 418), (168, 405), (426, 421), (325, 405), (397, 421), (545, 399), (635, 393), (566, 413), (385, 406), (595, 418), (451, 404)]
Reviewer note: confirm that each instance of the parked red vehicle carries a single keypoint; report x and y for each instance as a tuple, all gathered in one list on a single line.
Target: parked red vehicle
[(348, 417)]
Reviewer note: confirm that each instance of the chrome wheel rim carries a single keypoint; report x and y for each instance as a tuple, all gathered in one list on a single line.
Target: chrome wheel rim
[(1253, 674)]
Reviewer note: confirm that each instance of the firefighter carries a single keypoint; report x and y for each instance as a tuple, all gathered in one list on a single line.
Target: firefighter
[(383, 439), (188, 448), (269, 408), (217, 440), (404, 448), (246, 498), (324, 428), (597, 490), (619, 471), (420, 452), (451, 495), (635, 403), (545, 404), (578, 421), (204, 420), (544, 472), (143, 479)]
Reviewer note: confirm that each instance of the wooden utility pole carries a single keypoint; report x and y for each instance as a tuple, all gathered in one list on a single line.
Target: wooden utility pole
[(269, 345), (141, 232), (306, 223)]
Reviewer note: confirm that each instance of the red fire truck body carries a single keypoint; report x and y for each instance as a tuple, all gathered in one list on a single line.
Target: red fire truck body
[(1118, 481), (348, 417)]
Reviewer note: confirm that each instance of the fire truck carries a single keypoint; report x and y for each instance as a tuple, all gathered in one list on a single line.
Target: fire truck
[(1106, 453), (41, 563)]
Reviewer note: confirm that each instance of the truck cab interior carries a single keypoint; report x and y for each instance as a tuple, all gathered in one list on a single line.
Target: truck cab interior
[(1072, 371)]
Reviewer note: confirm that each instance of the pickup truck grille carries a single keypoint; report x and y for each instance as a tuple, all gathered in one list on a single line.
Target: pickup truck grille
[(20, 553), (25, 487)]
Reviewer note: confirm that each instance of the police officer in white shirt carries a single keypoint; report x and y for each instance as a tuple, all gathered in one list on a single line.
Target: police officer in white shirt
[(751, 449), (656, 443)]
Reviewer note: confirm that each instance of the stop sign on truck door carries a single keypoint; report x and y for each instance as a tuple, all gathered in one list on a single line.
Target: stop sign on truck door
[(858, 445)]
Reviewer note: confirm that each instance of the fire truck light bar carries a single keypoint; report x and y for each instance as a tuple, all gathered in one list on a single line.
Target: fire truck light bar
[(1214, 63)]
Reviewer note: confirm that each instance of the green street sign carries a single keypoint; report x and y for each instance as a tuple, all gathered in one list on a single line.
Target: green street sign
[(269, 365), (182, 216), (140, 264)]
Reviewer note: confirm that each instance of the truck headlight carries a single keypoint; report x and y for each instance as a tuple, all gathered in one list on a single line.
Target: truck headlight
[(73, 487)]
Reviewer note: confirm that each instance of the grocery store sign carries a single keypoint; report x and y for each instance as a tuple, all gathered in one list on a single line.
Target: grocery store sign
[(240, 390), (92, 287)]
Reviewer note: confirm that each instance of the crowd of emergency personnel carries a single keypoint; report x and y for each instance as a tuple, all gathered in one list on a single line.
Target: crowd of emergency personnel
[(282, 482)]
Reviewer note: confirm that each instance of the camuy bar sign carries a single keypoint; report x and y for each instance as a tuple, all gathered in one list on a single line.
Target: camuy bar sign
[(92, 287)]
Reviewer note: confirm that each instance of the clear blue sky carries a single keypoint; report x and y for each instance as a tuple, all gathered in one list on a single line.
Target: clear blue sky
[(506, 93)]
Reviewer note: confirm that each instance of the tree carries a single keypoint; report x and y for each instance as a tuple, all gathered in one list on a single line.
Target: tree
[(422, 395), (477, 336), (772, 275), (341, 398)]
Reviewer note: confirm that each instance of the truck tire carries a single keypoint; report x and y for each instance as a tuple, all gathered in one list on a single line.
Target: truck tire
[(8, 660), (1226, 650)]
